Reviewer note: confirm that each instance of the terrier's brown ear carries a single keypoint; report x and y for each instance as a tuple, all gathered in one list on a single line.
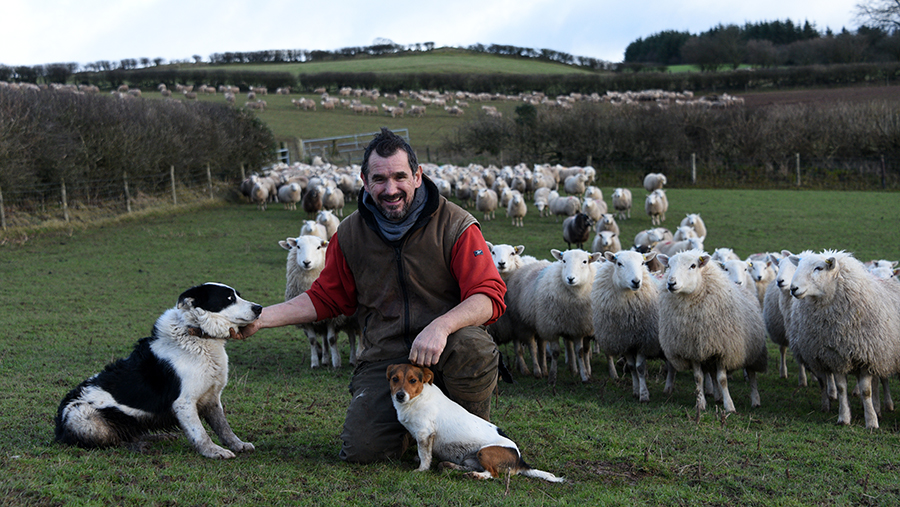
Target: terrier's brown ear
[(427, 376), (391, 369)]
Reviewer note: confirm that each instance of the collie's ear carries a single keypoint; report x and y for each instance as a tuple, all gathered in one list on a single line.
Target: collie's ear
[(427, 376)]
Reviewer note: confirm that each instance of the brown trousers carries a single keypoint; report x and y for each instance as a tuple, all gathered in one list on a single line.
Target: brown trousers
[(466, 372)]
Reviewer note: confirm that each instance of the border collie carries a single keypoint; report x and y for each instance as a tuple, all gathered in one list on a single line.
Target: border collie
[(172, 379)]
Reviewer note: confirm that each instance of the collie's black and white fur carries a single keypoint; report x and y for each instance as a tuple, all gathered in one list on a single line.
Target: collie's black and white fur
[(170, 380)]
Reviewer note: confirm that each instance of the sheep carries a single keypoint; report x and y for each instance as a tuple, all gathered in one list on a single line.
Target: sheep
[(305, 261), (313, 228), (694, 220), (706, 322), (290, 195), (739, 274), (260, 195), (508, 259), (566, 206), (606, 241), (516, 209), (552, 300), (542, 198), (312, 199), (575, 184), (593, 208), (621, 199), (649, 238), (777, 314), (625, 314), (683, 232), (577, 229), (607, 222), (329, 221), (333, 200), (463, 193), (671, 248), (845, 321), (656, 205), (654, 181), (486, 202), (594, 193), (761, 272)]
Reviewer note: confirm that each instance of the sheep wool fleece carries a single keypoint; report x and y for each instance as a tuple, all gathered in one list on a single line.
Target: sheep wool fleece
[(409, 285)]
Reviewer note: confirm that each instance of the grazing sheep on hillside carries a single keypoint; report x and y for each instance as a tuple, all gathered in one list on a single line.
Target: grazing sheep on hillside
[(305, 261), (289, 195), (516, 209), (565, 206), (845, 321), (326, 219), (553, 300), (577, 230), (656, 205), (621, 199), (694, 220), (606, 241), (707, 323), (654, 181), (486, 201), (625, 312)]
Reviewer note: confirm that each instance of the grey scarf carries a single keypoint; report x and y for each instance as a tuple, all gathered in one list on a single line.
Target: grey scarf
[(395, 230)]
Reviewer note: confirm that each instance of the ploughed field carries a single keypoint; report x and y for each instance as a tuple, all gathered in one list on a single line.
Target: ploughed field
[(822, 96)]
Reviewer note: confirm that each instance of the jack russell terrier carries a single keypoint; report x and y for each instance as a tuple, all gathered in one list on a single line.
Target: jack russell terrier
[(445, 429)]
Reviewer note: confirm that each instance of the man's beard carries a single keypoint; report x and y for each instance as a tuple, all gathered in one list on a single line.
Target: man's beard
[(394, 214)]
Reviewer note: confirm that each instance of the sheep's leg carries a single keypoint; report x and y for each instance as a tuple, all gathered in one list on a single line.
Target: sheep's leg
[(876, 399), (823, 389), (520, 358), (783, 365), (670, 379), (641, 369), (722, 381), (886, 387), (611, 365), (315, 350), (699, 380), (571, 357), (709, 386), (840, 382), (754, 389), (552, 348), (865, 392), (536, 356), (801, 376), (580, 357), (635, 382), (588, 355), (332, 344)]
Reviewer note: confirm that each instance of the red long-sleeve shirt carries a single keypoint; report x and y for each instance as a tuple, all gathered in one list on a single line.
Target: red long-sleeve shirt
[(334, 292)]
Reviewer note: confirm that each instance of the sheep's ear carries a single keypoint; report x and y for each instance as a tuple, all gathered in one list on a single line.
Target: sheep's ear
[(663, 259), (427, 376), (649, 256), (324, 244), (772, 260), (609, 256), (520, 249), (704, 260), (284, 244), (556, 254), (596, 256), (830, 263), (786, 253), (794, 259), (489, 245)]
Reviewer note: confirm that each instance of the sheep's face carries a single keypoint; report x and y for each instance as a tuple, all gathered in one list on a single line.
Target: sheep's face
[(685, 274), (392, 184), (757, 269), (505, 257), (737, 271), (308, 252), (578, 269), (629, 269), (815, 275)]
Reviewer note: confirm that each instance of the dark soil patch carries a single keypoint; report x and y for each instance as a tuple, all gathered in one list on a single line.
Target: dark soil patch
[(854, 94)]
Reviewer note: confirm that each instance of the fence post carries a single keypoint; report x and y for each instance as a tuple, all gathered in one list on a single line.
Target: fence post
[(243, 174), (883, 177), (2, 211), (127, 193), (694, 168), (65, 203), (589, 159), (172, 174), (209, 180), (798, 169)]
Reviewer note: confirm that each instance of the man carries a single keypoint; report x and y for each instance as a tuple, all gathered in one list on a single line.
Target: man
[(422, 283)]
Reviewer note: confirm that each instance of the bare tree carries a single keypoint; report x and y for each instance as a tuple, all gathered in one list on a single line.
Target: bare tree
[(884, 14)]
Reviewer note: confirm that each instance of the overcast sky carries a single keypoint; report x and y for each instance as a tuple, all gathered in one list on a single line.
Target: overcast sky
[(84, 31)]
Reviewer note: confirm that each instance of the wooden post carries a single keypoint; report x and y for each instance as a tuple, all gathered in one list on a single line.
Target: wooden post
[(127, 193), (2, 211), (209, 180), (65, 203), (589, 159), (883, 177), (694, 168), (172, 174), (798, 169), (243, 174)]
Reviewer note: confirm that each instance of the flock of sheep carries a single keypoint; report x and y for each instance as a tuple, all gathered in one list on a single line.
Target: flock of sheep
[(662, 297)]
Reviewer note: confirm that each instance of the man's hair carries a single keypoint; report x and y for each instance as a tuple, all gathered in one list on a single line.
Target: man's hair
[(386, 144)]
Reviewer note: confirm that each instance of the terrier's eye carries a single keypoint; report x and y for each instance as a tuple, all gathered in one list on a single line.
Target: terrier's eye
[(412, 381)]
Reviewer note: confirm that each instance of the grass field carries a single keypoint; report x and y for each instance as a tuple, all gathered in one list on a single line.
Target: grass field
[(74, 300)]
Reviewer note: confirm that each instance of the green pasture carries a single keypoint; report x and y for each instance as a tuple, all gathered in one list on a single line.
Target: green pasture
[(76, 299)]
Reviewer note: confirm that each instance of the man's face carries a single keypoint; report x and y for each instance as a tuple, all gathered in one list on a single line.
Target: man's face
[(392, 184)]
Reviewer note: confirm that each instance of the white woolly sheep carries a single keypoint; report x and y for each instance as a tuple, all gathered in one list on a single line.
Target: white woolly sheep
[(260, 195), (654, 181), (621, 199), (516, 209), (739, 273), (845, 321), (593, 208), (724, 254), (625, 311), (326, 219), (575, 184), (577, 230), (606, 241), (694, 220), (333, 200), (592, 192), (656, 205), (777, 314), (289, 195), (683, 232), (565, 206), (762, 273), (649, 238), (542, 198), (486, 201), (671, 248), (707, 322), (508, 259), (553, 300), (313, 228), (305, 261), (607, 222)]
